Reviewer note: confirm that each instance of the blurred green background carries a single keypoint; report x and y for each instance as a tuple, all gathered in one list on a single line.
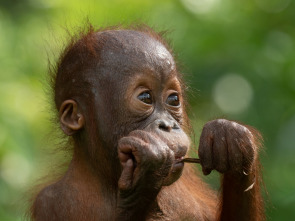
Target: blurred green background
[(238, 57)]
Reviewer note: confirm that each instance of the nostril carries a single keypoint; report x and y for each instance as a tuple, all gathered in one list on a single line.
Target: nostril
[(165, 126), (175, 126)]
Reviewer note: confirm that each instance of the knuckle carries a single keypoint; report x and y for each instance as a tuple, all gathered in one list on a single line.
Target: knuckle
[(123, 140), (235, 124), (126, 141), (208, 127), (219, 122)]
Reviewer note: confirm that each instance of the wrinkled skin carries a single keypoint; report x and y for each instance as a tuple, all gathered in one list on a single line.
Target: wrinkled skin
[(130, 140)]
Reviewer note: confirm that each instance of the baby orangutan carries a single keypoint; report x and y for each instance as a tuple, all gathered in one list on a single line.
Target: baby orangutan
[(120, 97)]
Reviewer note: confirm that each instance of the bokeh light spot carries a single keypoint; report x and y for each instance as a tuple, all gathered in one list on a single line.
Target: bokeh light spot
[(200, 6), (273, 6), (15, 169), (232, 94)]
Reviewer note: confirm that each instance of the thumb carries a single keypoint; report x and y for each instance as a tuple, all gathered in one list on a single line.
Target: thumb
[(125, 181)]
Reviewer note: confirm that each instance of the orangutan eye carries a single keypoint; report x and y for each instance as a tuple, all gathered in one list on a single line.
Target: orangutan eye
[(145, 97), (173, 100)]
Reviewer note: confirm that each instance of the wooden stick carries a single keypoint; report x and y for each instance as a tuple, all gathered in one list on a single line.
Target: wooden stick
[(191, 160)]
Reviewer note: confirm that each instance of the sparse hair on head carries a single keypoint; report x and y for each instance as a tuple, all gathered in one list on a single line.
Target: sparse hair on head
[(82, 53)]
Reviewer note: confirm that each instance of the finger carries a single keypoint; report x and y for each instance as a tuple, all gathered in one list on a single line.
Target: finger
[(220, 158), (235, 156), (125, 181), (205, 151), (168, 162), (129, 148), (155, 147)]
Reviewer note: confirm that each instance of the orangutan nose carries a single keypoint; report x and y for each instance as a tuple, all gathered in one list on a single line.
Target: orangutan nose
[(166, 125)]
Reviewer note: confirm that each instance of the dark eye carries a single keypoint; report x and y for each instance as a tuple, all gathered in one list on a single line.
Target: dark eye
[(173, 100), (145, 97)]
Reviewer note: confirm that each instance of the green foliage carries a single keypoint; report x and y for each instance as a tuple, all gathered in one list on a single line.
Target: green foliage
[(238, 58)]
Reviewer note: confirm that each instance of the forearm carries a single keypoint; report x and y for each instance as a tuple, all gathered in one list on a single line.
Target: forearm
[(241, 197)]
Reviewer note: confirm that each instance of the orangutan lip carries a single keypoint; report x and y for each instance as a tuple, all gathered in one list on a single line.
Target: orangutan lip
[(179, 159), (178, 164)]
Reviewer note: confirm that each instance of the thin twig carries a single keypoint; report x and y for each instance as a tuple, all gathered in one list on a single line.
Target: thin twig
[(191, 160)]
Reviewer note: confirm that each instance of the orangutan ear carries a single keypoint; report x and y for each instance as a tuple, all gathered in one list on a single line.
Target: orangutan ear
[(71, 120)]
